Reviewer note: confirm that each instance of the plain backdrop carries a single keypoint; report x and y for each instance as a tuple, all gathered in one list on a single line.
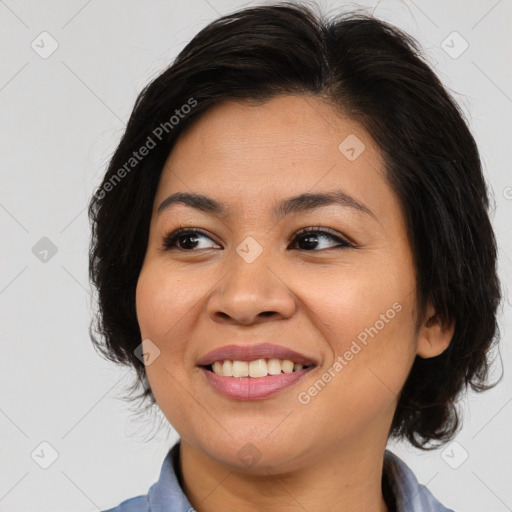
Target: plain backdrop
[(69, 74)]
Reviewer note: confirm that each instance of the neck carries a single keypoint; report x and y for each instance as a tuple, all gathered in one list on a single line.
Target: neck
[(348, 478)]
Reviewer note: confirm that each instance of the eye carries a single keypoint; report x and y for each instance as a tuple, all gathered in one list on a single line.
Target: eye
[(312, 235), (185, 239)]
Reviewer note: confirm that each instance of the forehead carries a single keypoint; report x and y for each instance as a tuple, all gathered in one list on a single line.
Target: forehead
[(242, 152), (294, 127)]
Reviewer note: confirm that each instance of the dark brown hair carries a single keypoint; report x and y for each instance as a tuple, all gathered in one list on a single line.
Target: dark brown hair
[(375, 73)]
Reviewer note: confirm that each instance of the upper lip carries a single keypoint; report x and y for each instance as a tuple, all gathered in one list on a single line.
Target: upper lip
[(253, 352)]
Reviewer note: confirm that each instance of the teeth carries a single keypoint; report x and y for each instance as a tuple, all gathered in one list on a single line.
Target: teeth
[(274, 366), (240, 369), (227, 369), (287, 366), (255, 369)]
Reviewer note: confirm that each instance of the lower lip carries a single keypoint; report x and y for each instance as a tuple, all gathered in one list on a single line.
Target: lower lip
[(248, 388)]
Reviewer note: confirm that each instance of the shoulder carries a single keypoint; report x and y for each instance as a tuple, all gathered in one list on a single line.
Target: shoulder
[(136, 504), (410, 495), (165, 495)]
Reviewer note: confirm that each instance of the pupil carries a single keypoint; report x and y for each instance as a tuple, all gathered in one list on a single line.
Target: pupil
[(311, 241), (184, 237)]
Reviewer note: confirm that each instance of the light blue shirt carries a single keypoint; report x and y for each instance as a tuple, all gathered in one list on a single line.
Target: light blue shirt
[(166, 495)]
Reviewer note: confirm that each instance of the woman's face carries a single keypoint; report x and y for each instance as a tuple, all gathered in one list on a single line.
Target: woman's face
[(344, 297)]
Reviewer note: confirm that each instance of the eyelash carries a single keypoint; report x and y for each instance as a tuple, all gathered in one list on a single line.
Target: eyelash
[(169, 241)]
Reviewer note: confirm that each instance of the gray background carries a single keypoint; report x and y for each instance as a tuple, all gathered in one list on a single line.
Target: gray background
[(62, 117)]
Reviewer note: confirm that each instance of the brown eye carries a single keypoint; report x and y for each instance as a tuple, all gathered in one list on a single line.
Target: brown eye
[(185, 239), (311, 236)]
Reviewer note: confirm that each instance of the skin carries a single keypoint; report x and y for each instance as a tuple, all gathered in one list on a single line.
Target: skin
[(325, 455)]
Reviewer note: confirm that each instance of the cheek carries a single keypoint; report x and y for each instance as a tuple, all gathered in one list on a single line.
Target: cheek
[(350, 300), (367, 319), (164, 312), (162, 298)]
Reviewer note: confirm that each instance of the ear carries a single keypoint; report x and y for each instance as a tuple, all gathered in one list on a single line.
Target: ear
[(434, 336)]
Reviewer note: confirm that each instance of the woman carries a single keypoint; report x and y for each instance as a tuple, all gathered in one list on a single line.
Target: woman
[(291, 247)]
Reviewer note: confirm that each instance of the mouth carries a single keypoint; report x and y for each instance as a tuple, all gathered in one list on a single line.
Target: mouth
[(255, 371)]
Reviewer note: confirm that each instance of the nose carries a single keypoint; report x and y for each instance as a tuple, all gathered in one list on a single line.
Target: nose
[(251, 293)]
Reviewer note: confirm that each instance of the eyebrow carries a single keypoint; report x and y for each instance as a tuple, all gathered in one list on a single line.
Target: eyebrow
[(296, 204)]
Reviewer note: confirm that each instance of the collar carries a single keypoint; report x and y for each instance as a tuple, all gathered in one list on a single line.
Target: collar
[(408, 494)]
